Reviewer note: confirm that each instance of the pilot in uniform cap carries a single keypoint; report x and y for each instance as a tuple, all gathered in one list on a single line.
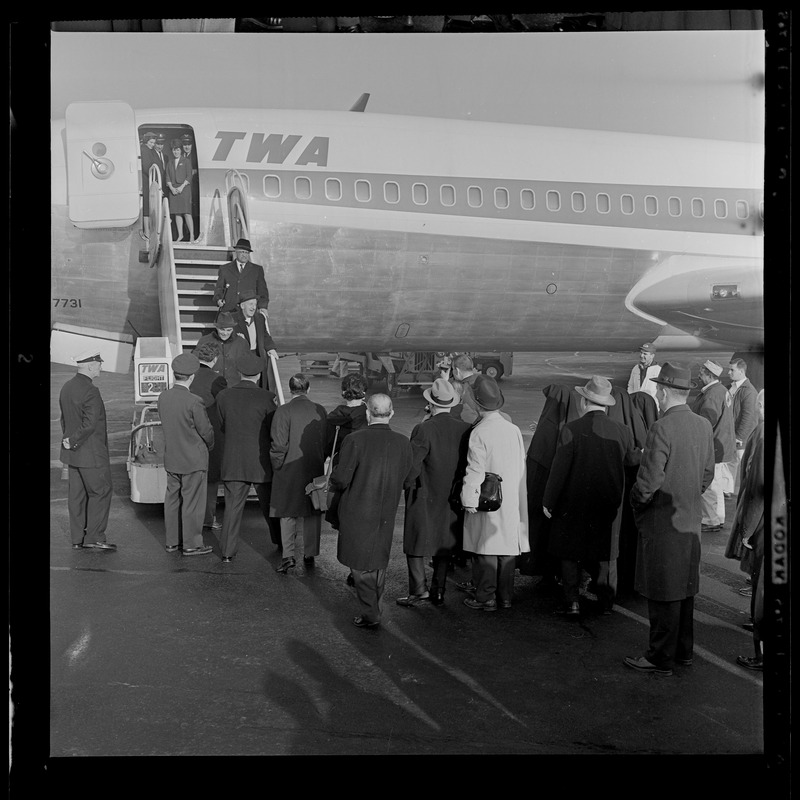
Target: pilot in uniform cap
[(185, 364)]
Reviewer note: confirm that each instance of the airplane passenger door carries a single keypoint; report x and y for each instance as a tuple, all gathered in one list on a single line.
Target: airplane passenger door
[(102, 165)]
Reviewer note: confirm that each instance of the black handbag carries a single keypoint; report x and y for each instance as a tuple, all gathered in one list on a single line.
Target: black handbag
[(491, 497)]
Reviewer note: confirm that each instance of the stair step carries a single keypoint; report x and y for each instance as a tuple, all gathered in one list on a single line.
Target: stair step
[(190, 276), (200, 292), (212, 309), (195, 262)]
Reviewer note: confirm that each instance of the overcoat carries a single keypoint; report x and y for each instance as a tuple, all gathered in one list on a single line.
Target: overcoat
[(715, 405), (207, 385), (230, 350), (245, 413), (83, 422), (647, 405), (585, 489), (495, 445), (297, 453), (560, 406), (745, 411), (677, 465), (373, 465), (188, 435), (439, 452), (748, 518), (231, 282), (348, 419), (264, 341)]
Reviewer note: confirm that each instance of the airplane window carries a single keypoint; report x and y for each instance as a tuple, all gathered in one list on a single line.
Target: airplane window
[(651, 205), (527, 199), (333, 189), (720, 209), (447, 194), (272, 186), (501, 197), (742, 209), (475, 196), (698, 207), (302, 188), (391, 192), (675, 206), (553, 201), (603, 203), (419, 193), (363, 191), (626, 203), (578, 201)]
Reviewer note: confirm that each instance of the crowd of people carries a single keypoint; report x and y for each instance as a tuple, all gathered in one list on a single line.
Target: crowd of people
[(611, 497)]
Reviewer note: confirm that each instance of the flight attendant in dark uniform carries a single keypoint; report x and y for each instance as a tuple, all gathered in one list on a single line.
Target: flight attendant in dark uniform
[(179, 184)]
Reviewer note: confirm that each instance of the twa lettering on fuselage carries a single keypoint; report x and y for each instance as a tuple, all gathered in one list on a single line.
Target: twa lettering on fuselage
[(274, 147)]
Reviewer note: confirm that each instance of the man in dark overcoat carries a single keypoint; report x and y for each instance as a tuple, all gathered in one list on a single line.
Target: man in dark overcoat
[(84, 449), (715, 404), (245, 413), (745, 411), (676, 467), (584, 493), (188, 437), (373, 465), (238, 275), (251, 326), (297, 452), (207, 385), (433, 526)]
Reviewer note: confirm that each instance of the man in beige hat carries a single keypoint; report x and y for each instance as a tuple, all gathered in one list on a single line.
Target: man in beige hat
[(642, 373), (432, 526), (677, 464), (188, 436), (584, 493), (715, 404), (84, 449)]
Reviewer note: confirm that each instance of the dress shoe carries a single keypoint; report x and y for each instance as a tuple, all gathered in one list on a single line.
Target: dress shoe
[(360, 622), (710, 528), (487, 605), (227, 559), (466, 586), (286, 565), (350, 580), (214, 526), (570, 609), (197, 551), (747, 591), (641, 664), (102, 545), (748, 626), (172, 548), (504, 604), (413, 600), (437, 598), (684, 662), (77, 547), (308, 560), (751, 662)]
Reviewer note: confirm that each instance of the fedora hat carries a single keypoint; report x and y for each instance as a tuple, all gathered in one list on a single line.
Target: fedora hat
[(487, 393), (675, 376), (247, 294), (441, 394), (243, 244), (597, 390), (225, 320)]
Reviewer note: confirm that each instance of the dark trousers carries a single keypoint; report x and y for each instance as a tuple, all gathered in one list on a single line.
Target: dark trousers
[(604, 575), (235, 497), (369, 586), (441, 564), (493, 575), (671, 631), (417, 582), (89, 503), (184, 508), (212, 488), (307, 527)]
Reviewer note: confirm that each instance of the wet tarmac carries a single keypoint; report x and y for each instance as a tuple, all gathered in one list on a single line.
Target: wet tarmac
[(152, 654)]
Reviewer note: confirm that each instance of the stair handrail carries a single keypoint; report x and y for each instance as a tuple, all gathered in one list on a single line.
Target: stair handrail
[(278, 388)]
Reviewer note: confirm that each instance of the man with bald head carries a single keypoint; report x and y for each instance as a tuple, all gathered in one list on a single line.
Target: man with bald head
[(373, 465), (84, 449)]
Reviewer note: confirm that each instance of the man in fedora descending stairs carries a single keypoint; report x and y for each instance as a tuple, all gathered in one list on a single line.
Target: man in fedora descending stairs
[(239, 275)]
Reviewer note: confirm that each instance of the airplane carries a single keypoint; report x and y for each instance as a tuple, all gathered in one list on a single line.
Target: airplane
[(382, 232)]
